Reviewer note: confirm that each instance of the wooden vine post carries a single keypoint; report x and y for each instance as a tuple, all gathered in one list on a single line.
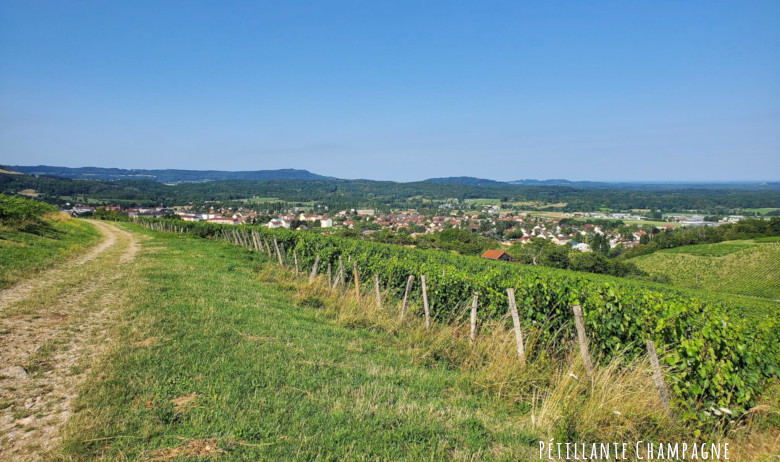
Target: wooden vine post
[(268, 248), (258, 243), (473, 333), (339, 274), (278, 253), (295, 257), (330, 270), (376, 289), (658, 376), (579, 321), (406, 295), (425, 304), (314, 269), (357, 280), (516, 321)]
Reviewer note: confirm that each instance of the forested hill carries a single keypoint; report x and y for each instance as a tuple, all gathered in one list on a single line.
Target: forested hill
[(654, 186), (166, 176), (380, 195)]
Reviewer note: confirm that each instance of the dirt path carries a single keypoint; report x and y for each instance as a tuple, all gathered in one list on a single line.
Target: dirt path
[(52, 327)]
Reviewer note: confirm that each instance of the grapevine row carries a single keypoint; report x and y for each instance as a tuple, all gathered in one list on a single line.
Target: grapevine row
[(712, 360)]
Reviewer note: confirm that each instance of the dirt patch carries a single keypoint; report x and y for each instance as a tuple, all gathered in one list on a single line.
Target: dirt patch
[(55, 325), (182, 403), (206, 448), (146, 342)]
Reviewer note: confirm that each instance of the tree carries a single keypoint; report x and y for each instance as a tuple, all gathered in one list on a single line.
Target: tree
[(533, 251), (599, 244), (556, 256)]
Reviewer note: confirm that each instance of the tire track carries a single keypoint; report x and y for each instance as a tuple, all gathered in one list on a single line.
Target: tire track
[(51, 329)]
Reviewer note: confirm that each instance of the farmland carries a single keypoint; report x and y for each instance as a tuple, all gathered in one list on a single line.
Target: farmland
[(618, 315), (746, 268), (219, 352)]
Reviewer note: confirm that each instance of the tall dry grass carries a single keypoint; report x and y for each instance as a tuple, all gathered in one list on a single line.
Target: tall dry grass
[(618, 402)]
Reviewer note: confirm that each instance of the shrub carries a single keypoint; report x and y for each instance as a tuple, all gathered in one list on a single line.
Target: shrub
[(18, 212)]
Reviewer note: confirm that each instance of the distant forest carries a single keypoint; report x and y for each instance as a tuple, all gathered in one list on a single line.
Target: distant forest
[(384, 195)]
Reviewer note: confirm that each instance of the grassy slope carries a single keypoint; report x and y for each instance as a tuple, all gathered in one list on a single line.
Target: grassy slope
[(739, 270), (271, 380), (27, 251)]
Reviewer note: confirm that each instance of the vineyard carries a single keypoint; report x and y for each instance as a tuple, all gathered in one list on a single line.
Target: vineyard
[(738, 267), (711, 360)]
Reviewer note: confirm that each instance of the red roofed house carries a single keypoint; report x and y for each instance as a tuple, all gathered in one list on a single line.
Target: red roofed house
[(497, 255)]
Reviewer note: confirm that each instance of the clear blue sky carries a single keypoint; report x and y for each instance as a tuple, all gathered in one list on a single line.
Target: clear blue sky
[(584, 90)]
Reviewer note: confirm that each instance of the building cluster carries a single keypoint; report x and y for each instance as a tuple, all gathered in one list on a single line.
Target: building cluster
[(509, 227)]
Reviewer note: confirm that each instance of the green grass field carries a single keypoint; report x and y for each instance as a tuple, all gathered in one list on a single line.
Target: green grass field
[(762, 211), (265, 378), (482, 201), (26, 251), (762, 240), (657, 224), (736, 271), (216, 353)]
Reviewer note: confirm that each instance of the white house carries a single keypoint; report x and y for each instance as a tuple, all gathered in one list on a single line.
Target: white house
[(278, 223), (582, 247)]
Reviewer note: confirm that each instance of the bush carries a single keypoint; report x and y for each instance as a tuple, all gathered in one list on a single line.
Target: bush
[(109, 215), (18, 212)]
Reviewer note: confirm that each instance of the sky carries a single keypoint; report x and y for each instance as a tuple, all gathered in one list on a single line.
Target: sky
[(399, 90)]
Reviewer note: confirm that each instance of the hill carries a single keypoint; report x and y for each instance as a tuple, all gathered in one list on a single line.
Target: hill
[(193, 348), (468, 181), (637, 186), (167, 175), (33, 235), (734, 268), (381, 195)]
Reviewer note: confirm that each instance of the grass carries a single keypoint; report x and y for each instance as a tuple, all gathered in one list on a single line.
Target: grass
[(657, 224), (221, 353), (737, 271), (712, 250), (482, 201), (762, 211), (269, 378), (763, 240), (36, 247)]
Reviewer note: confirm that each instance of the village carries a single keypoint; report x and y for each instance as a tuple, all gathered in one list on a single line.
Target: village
[(509, 227)]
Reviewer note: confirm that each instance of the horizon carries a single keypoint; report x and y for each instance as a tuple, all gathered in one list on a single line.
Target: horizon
[(647, 182), (632, 93)]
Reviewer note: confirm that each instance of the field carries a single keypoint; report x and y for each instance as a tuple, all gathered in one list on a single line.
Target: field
[(621, 314), (215, 355), (28, 250), (206, 349), (767, 239), (744, 268), (657, 224), (482, 202), (544, 214), (762, 211)]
